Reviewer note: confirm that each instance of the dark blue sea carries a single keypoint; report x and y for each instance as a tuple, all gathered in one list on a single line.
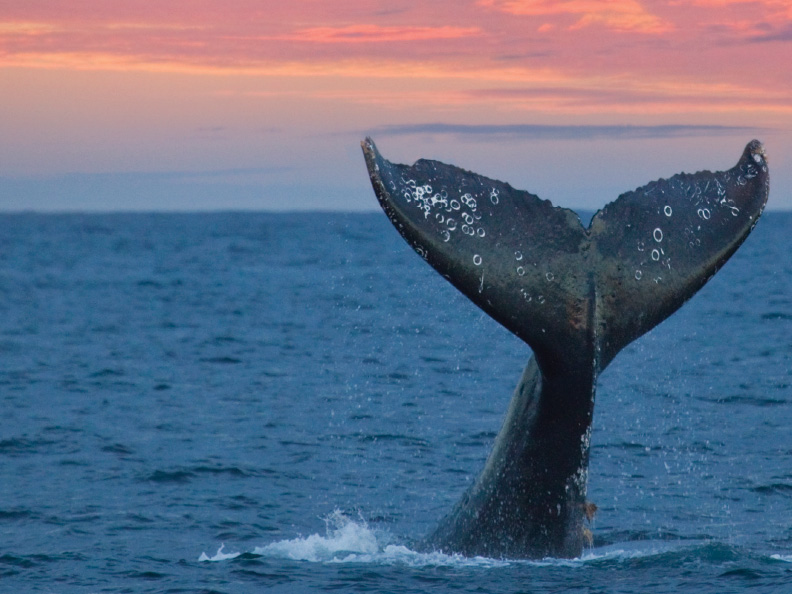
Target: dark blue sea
[(252, 402)]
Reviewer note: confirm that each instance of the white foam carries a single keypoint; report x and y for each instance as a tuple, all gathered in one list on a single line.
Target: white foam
[(353, 541), (219, 555), (344, 538), (787, 558)]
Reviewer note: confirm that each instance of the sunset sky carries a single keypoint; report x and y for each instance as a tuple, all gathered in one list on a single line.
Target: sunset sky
[(203, 104)]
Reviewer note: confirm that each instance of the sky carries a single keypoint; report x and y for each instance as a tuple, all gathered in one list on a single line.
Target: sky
[(174, 105)]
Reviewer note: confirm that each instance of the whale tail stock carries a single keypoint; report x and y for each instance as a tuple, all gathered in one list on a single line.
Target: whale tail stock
[(576, 296)]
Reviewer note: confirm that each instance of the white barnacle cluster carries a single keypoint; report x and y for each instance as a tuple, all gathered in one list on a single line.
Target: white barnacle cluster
[(459, 215), (424, 197), (470, 216), (452, 214)]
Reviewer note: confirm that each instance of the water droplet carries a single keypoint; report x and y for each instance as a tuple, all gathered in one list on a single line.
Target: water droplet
[(477, 260), (451, 223), (549, 276), (446, 235), (704, 213), (658, 235), (440, 218), (641, 246), (518, 255), (481, 232), (455, 204), (655, 255), (494, 196), (520, 270), (638, 275), (735, 211), (667, 210), (540, 299)]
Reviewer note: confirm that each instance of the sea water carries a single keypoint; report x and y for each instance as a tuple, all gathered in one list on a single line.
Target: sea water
[(251, 402)]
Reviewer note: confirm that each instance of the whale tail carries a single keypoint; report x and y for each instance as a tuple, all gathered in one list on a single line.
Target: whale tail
[(577, 296), (574, 294)]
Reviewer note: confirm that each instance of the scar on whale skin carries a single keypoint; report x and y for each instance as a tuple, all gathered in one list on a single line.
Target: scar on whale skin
[(576, 296)]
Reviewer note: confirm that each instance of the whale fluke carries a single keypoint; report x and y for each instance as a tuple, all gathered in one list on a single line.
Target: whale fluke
[(576, 296)]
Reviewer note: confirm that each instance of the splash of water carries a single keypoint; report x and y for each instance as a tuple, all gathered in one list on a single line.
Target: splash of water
[(348, 540), (219, 555), (344, 538)]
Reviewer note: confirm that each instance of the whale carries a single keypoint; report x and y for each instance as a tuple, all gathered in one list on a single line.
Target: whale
[(577, 296)]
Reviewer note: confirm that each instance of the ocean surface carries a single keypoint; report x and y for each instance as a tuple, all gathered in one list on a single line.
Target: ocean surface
[(249, 402)]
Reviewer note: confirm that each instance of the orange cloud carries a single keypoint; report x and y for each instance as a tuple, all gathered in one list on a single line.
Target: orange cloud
[(375, 33), (619, 15), (26, 28)]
